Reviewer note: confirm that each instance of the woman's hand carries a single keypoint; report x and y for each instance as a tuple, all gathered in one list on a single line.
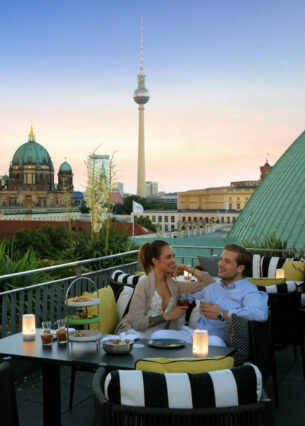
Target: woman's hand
[(180, 268), (175, 313)]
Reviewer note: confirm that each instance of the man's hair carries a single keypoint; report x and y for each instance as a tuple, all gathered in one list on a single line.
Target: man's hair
[(244, 257)]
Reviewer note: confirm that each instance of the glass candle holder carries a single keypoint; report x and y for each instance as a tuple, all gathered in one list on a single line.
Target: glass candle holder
[(279, 273), (200, 343), (28, 327)]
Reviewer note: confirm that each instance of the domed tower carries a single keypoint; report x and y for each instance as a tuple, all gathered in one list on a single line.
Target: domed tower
[(65, 177), (141, 97), (31, 168), (265, 169)]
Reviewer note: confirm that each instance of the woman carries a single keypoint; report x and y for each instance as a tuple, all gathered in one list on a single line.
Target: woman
[(154, 303)]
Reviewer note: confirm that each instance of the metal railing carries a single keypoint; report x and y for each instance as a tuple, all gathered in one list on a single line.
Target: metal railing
[(47, 299)]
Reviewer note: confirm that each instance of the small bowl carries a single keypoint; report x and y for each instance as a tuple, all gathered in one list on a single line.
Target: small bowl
[(117, 346)]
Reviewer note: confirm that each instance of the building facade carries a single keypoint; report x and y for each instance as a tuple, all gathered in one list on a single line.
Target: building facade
[(30, 187)]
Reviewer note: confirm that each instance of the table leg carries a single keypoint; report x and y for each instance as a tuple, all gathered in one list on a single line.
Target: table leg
[(51, 394)]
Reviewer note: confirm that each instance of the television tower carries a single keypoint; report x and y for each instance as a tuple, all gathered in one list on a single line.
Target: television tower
[(141, 97)]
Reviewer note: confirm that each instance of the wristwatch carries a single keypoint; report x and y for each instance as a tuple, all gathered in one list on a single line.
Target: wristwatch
[(220, 316)]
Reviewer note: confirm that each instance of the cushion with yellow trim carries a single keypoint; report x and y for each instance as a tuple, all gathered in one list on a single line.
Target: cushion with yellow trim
[(108, 312), (294, 270), (266, 281), (184, 365)]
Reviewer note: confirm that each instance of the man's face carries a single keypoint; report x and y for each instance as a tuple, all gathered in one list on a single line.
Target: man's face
[(227, 267)]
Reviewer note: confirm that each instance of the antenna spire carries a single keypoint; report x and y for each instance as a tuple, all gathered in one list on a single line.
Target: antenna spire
[(141, 46)]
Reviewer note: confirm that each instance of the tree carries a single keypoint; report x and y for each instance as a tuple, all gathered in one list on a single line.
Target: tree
[(146, 222)]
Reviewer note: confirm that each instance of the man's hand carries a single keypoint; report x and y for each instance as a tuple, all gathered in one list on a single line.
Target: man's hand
[(209, 310)]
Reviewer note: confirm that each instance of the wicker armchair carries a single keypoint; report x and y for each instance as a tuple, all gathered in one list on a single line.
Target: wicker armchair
[(8, 407), (262, 351), (110, 414)]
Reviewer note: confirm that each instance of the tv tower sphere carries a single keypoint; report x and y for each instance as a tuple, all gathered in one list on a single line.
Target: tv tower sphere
[(141, 94)]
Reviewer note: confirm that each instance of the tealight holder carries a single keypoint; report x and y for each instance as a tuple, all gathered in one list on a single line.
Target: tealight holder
[(28, 327), (200, 343), (279, 273)]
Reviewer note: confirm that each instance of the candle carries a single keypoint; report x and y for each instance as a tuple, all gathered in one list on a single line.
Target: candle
[(28, 327), (187, 275), (279, 273), (200, 343)]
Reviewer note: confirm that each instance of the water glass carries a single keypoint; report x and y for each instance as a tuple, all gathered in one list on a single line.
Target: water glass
[(46, 334), (61, 332)]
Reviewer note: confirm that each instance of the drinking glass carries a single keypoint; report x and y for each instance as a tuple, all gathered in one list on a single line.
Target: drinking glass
[(183, 300), (61, 332), (46, 334)]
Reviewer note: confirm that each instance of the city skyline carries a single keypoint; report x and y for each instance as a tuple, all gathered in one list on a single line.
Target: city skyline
[(225, 79)]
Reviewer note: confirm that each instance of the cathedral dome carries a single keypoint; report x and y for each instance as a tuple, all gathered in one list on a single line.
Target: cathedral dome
[(65, 167), (32, 153)]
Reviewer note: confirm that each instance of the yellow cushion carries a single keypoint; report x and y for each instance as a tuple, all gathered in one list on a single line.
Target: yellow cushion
[(184, 365), (108, 312), (267, 281), (294, 270)]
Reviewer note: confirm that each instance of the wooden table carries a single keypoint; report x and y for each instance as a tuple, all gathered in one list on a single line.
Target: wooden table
[(85, 355)]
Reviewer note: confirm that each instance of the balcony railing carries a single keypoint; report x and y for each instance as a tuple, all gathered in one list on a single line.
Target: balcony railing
[(47, 300)]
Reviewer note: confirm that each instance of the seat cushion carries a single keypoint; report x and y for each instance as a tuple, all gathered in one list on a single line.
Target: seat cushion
[(286, 287), (209, 264), (123, 278), (108, 312), (222, 388), (122, 294), (184, 365), (264, 282), (294, 270)]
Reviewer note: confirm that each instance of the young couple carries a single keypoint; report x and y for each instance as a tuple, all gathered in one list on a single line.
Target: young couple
[(154, 312)]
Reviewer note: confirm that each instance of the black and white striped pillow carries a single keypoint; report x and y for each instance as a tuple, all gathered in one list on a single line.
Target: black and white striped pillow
[(223, 388), (269, 264), (287, 287), (123, 278)]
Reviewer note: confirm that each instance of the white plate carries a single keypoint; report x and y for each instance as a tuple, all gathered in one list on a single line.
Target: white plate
[(91, 302), (89, 336)]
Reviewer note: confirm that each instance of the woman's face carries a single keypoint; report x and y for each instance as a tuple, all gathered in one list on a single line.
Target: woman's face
[(166, 261)]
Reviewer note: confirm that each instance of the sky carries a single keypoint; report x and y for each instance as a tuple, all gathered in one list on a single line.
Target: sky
[(226, 81)]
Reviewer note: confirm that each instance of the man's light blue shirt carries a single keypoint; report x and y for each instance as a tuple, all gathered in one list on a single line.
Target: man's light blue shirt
[(239, 297)]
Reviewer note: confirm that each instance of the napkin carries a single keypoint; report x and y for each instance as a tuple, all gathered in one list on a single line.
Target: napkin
[(122, 336)]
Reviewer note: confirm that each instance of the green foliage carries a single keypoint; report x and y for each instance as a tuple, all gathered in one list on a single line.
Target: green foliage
[(146, 222), (11, 265), (85, 247), (126, 207), (46, 242), (269, 242)]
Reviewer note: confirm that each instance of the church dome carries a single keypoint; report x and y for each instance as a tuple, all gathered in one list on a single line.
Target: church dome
[(65, 167), (32, 153)]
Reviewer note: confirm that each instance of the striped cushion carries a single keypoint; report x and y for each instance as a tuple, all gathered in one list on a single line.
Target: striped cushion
[(222, 388), (123, 278), (287, 287)]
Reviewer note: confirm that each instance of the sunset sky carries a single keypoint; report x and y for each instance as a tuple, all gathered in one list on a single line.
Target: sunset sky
[(226, 81)]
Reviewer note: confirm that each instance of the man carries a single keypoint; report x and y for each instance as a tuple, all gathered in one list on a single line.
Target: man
[(232, 294)]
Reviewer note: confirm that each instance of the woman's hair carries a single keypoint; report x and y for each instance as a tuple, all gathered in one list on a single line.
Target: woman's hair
[(244, 257), (148, 251)]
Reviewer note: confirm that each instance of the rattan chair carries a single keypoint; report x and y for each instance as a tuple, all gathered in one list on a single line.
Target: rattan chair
[(262, 351), (8, 403), (109, 414), (287, 320)]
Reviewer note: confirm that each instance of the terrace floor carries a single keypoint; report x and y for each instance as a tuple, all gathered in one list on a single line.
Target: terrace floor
[(291, 410)]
